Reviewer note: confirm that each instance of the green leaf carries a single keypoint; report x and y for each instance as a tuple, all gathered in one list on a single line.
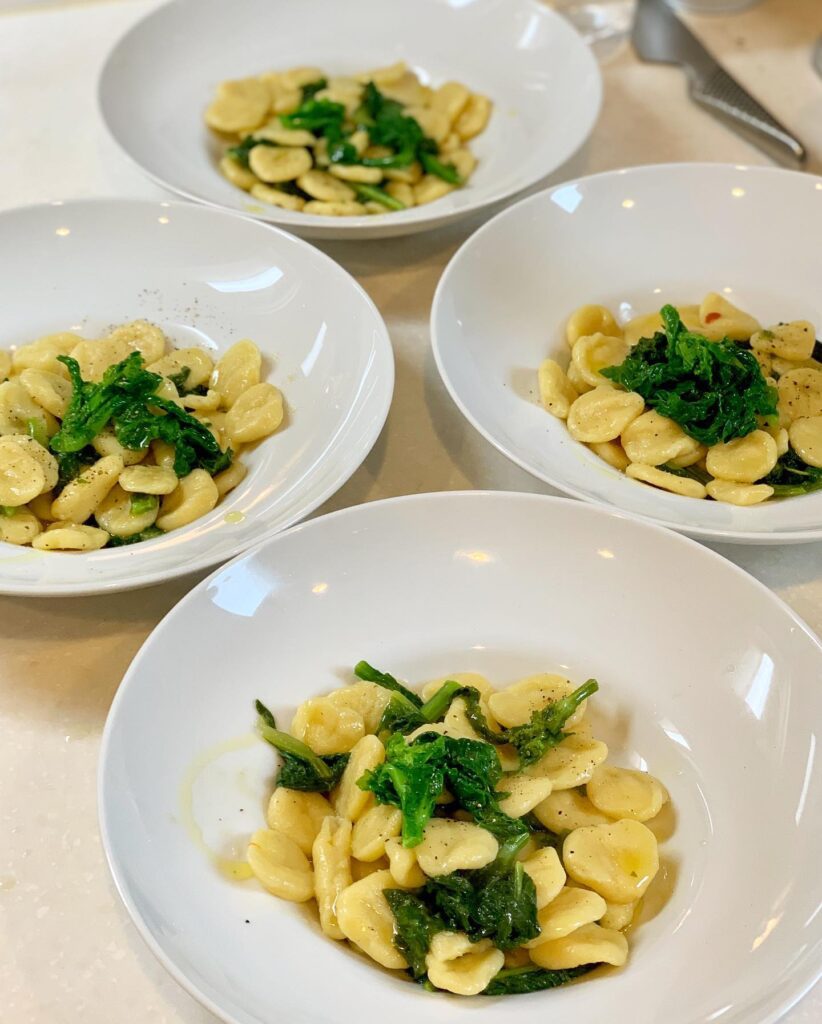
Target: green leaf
[(714, 390), (149, 533), (415, 926), (378, 195), (8, 511), (791, 477), (511, 981), (412, 777), (301, 769), (142, 503), (36, 428), (366, 672), (544, 729), (432, 165), (71, 464), (310, 89), (126, 397), (317, 116), (498, 904), (240, 153)]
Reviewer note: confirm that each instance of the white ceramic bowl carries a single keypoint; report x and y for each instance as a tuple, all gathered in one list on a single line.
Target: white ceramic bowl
[(208, 278), (503, 584), (631, 240), (543, 79)]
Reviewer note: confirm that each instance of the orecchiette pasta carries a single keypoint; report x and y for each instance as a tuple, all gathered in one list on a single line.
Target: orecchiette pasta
[(298, 815), (373, 830), (281, 866), (590, 944), (619, 860), (588, 320), (547, 873), (83, 484), (349, 800), (556, 392), (341, 146), (424, 856), (366, 919), (456, 964), (70, 537), (603, 414), (570, 909), (623, 793), (570, 763), (403, 865), (594, 352), (194, 496), (331, 855), (743, 460), (449, 846), (567, 809), (699, 401)]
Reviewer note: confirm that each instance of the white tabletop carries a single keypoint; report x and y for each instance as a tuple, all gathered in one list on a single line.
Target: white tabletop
[(68, 952)]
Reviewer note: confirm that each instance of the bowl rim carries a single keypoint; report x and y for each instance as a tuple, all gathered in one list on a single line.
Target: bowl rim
[(341, 227), (643, 170), (183, 567), (776, 1008)]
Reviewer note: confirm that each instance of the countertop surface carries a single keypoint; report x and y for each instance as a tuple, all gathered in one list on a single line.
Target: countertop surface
[(68, 952)]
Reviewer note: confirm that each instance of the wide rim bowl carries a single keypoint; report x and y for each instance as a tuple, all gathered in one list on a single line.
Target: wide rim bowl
[(503, 584), (502, 302), (209, 278), (518, 52)]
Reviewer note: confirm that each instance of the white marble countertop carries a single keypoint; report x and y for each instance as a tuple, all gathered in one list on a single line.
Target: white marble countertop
[(68, 952)]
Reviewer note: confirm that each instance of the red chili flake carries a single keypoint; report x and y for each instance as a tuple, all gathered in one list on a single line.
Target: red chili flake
[(709, 319)]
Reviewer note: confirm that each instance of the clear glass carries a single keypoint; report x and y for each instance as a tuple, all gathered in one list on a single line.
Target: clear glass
[(603, 24), (606, 24)]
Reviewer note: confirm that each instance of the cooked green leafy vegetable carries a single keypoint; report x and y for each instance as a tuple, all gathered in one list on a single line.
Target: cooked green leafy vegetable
[(544, 729), (149, 533), (142, 503), (239, 153), (378, 195), (402, 716), (791, 476), (301, 768), (415, 926), (691, 472), (532, 740), (512, 981), (411, 778), (388, 125), (714, 390), (36, 428), (71, 464), (310, 89), (125, 397), (8, 511), (415, 774), (431, 164), (496, 904), (498, 911), (366, 672)]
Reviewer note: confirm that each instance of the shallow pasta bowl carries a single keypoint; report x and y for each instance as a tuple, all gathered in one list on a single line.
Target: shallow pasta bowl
[(504, 585), (630, 240), (208, 279), (162, 75)]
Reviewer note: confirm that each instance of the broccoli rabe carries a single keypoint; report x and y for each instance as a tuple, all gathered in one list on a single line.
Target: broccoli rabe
[(301, 768), (714, 390), (512, 981), (126, 398)]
